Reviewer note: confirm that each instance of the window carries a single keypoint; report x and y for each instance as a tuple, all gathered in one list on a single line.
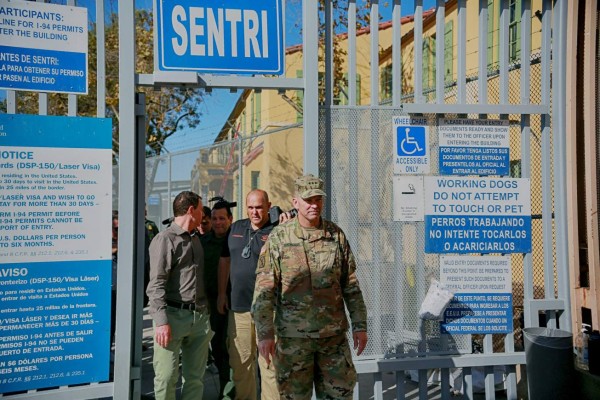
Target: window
[(449, 52), (385, 81), (343, 97), (429, 62), (256, 104), (254, 180), (514, 30)]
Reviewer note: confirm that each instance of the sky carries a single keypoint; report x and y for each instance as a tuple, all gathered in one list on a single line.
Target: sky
[(218, 105)]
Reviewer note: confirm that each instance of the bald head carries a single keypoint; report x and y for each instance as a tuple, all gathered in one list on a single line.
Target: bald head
[(257, 206)]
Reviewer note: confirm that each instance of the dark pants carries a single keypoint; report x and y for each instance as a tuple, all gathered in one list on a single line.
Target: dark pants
[(218, 344)]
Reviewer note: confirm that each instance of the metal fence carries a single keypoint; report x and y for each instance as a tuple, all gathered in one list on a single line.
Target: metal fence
[(356, 159)]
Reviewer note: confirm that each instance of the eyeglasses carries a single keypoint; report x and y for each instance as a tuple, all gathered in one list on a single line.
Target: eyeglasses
[(247, 250)]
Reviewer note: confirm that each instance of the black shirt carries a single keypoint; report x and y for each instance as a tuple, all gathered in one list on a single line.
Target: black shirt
[(243, 270)]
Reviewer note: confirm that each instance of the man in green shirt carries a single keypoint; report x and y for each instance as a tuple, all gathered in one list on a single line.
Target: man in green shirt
[(306, 274)]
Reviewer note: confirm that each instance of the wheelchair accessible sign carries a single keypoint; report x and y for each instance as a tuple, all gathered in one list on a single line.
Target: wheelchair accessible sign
[(411, 146)]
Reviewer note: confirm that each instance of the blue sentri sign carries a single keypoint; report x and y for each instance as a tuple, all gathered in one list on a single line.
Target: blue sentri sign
[(228, 36)]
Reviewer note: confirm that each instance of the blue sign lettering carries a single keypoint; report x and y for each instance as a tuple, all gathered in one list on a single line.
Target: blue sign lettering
[(235, 37)]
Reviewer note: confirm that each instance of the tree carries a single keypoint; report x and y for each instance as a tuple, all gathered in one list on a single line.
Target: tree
[(168, 110)]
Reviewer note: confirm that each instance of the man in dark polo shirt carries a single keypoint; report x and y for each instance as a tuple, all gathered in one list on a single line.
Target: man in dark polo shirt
[(213, 243), (238, 265), (178, 304)]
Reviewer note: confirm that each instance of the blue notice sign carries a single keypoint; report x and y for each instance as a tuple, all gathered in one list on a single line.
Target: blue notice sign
[(477, 215), (479, 313), (229, 36), (473, 146), (55, 251), (43, 47)]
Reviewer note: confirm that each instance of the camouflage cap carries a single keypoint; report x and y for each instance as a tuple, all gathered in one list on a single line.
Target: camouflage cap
[(309, 185)]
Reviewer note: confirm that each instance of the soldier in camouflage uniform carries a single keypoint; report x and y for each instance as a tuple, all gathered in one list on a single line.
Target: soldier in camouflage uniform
[(306, 272)]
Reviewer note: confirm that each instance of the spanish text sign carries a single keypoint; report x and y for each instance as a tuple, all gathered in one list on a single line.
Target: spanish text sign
[(474, 146), (228, 36), (482, 287), (411, 145), (43, 47), (477, 215), (55, 251)]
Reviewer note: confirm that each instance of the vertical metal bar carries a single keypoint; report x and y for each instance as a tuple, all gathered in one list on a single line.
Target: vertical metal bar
[(377, 386), (503, 64), (547, 223), (329, 50), (241, 194), (461, 77), (396, 54), (483, 50), (43, 104), (374, 52), (42, 97), (397, 226), (468, 383), (525, 87), (560, 167), (139, 261), (400, 390), (128, 153), (101, 61), (488, 348), (352, 53), (418, 48), (445, 383), (440, 22), (423, 384), (375, 178), (72, 98), (329, 85), (310, 41), (11, 102), (353, 122)]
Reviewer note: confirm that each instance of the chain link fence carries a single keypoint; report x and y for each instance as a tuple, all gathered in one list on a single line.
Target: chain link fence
[(394, 270)]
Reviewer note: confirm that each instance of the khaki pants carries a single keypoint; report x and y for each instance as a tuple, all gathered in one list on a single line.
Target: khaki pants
[(191, 334), (242, 360)]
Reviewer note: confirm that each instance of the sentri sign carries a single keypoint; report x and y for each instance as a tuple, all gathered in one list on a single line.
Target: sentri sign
[(226, 36)]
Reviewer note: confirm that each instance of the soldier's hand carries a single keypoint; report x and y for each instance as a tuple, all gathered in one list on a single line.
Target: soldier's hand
[(266, 348), (162, 335), (360, 341), (222, 304), (285, 216)]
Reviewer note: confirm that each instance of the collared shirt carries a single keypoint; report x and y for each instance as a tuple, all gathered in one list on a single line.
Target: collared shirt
[(304, 278), (243, 270), (212, 246), (176, 271)]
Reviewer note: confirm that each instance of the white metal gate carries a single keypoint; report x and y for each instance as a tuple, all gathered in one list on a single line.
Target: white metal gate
[(488, 72)]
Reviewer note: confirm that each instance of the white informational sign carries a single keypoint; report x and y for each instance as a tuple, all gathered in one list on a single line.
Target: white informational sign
[(55, 250), (228, 36), (477, 215), (43, 47), (409, 200), (474, 146), (411, 146), (482, 287)]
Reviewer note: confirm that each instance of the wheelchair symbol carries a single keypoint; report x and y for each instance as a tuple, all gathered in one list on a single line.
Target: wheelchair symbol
[(411, 141)]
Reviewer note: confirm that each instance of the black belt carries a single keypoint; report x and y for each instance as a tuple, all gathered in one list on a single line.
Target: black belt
[(184, 306)]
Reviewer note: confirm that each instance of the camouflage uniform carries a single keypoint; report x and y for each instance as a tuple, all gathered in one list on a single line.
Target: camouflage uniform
[(304, 277)]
